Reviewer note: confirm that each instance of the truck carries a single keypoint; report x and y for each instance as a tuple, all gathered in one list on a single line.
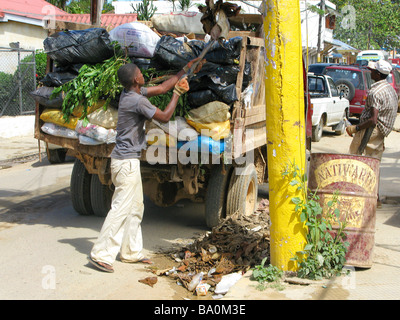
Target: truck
[(226, 182), (328, 105), (216, 183), (371, 55)]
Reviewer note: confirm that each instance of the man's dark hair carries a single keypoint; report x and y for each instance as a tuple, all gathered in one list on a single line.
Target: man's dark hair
[(126, 74)]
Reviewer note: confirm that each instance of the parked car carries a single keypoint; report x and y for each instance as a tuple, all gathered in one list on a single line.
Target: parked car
[(394, 80), (318, 68), (328, 105), (354, 83)]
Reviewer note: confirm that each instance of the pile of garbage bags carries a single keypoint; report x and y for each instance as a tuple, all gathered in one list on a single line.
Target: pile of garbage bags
[(212, 89)]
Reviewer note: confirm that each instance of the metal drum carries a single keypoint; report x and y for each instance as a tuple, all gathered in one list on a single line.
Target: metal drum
[(357, 179)]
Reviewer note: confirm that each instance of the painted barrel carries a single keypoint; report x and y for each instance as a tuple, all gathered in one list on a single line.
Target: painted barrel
[(357, 179)]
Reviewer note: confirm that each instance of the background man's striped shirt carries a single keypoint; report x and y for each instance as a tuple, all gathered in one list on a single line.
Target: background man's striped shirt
[(383, 97)]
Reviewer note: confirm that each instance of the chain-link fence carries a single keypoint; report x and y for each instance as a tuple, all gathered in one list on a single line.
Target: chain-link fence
[(17, 79)]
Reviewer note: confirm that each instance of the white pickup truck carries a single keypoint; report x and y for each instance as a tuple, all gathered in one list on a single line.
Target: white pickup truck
[(329, 107)]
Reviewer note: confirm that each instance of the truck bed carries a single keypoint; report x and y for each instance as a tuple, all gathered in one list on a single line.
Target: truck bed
[(242, 118)]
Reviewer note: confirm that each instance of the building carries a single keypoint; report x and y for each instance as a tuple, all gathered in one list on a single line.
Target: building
[(27, 22), (342, 53), (310, 20)]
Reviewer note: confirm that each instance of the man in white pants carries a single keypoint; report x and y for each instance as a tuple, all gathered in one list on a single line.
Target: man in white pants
[(121, 231)]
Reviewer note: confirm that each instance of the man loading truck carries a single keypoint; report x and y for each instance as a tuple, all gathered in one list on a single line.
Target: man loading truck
[(121, 231)]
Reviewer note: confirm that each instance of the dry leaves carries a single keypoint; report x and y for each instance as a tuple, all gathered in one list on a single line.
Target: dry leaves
[(236, 245)]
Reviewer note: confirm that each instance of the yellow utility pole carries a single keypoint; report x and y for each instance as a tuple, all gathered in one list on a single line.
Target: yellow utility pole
[(284, 93)]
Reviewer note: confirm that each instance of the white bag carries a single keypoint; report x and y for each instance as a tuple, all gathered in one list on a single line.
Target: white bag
[(104, 118), (138, 38), (89, 141), (184, 22), (58, 131), (96, 132)]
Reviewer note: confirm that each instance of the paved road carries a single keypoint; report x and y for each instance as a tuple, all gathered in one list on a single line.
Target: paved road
[(44, 242)]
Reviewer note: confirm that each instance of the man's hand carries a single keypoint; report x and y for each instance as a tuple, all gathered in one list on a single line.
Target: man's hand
[(351, 130), (181, 87), (190, 64)]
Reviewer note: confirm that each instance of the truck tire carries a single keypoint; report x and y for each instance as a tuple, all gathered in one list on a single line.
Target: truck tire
[(243, 191), (340, 128), (56, 155), (215, 202), (348, 89), (317, 130), (80, 189), (100, 197)]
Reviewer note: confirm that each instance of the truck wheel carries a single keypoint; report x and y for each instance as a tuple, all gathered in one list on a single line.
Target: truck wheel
[(100, 197), (56, 155), (243, 191), (340, 128), (317, 130), (80, 189), (348, 88), (215, 202)]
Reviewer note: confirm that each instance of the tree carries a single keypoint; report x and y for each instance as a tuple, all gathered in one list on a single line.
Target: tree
[(79, 6), (58, 3), (368, 24)]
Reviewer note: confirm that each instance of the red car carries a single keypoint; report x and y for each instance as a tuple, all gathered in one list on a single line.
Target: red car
[(394, 79), (353, 83)]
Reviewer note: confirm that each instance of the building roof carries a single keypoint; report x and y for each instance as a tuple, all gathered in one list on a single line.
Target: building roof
[(342, 46), (37, 11), (32, 9), (111, 20)]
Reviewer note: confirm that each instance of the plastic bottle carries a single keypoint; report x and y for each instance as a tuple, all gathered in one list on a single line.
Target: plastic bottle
[(195, 281)]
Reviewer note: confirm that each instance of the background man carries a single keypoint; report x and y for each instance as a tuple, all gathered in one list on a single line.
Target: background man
[(380, 112)]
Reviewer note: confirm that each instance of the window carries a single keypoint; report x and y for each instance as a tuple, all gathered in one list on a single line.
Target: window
[(334, 90), (316, 85), (355, 77)]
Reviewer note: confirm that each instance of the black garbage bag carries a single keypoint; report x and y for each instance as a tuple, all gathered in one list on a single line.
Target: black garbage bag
[(224, 93), (57, 79), (145, 63), (172, 53), (224, 74), (73, 68), (198, 98), (175, 54), (228, 53), (79, 46), (42, 96)]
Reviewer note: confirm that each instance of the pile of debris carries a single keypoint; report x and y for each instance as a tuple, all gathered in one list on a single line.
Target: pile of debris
[(228, 251)]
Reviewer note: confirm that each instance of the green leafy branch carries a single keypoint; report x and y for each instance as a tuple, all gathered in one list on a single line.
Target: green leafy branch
[(94, 82), (325, 251)]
